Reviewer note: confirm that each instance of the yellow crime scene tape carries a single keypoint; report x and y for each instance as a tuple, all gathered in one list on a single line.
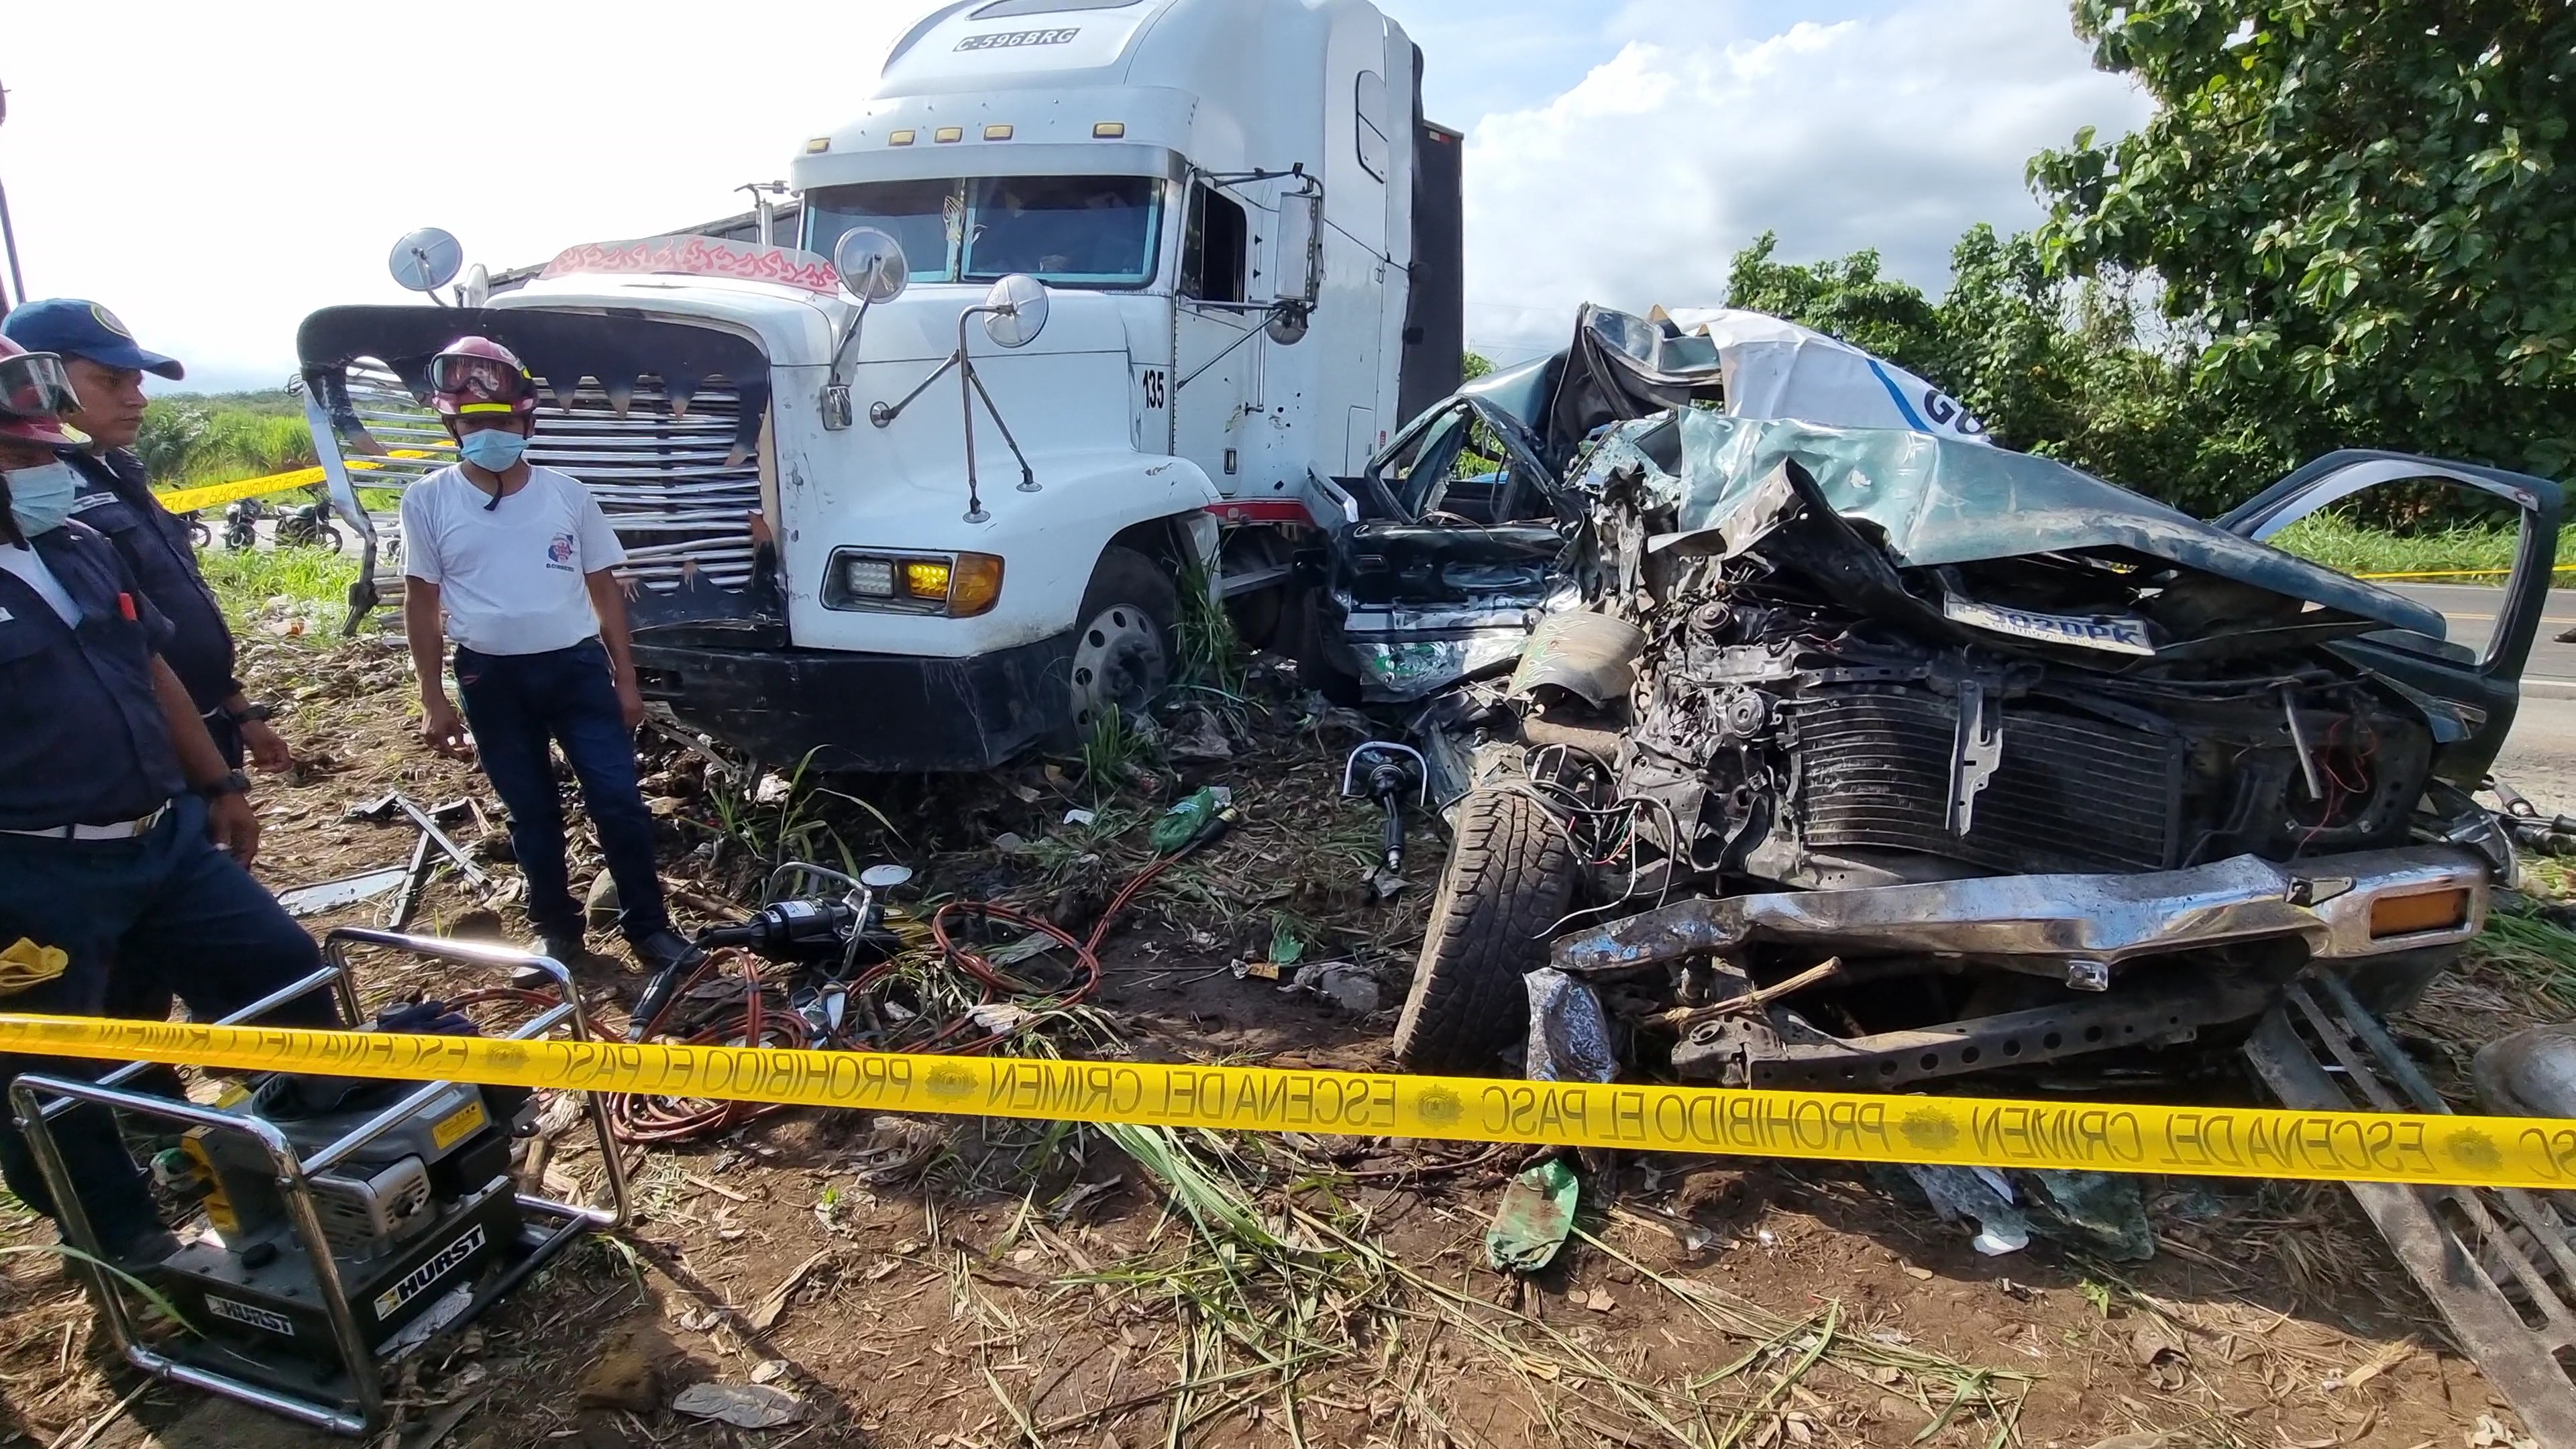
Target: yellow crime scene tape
[(1855, 1127), (189, 500)]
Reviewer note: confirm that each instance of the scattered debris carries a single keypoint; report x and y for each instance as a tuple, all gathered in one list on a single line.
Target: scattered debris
[(1536, 1213), (2531, 1073), (348, 890), (2519, 1240), (1980, 1197), (745, 1406), (764, 1316), (1569, 1038), (2098, 1211), (1351, 987)]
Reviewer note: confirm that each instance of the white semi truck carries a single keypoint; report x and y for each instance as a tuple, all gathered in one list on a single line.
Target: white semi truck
[(1200, 257)]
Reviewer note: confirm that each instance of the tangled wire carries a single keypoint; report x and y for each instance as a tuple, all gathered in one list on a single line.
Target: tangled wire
[(758, 1013)]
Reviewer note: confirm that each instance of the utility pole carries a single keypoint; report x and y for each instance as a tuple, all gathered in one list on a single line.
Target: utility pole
[(9, 234)]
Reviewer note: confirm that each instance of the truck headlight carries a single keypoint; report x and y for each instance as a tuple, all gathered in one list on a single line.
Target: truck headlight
[(960, 585)]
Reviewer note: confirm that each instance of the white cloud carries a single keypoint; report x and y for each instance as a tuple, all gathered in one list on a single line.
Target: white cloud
[(213, 170), (1638, 184)]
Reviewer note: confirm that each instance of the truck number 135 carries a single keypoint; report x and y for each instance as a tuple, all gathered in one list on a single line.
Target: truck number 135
[(1153, 380)]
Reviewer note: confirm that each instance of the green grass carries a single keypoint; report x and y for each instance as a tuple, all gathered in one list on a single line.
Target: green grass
[(189, 440), (2477, 555), (1212, 653), (245, 580)]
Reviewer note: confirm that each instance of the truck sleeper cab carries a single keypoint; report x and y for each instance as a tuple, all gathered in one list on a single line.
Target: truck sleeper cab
[(1218, 200)]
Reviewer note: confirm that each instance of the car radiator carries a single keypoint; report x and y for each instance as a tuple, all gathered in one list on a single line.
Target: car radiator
[(1873, 772)]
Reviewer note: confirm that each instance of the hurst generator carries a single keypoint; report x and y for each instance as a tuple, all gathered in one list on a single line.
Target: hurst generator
[(330, 1226)]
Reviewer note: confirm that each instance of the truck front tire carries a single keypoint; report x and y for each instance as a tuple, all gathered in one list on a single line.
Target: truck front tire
[(1122, 645)]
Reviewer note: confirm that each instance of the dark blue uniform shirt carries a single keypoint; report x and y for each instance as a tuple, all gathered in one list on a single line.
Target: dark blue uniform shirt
[(82, 739), (117, 500)]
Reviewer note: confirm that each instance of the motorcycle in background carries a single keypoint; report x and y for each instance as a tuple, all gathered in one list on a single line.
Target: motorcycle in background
[(241, 520), (308, 527)]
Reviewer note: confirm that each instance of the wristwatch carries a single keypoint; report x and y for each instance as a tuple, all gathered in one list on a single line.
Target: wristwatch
[(249, 712), (233, 782)]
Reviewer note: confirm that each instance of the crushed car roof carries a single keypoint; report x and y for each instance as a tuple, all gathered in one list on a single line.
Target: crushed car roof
[(1941, 501)]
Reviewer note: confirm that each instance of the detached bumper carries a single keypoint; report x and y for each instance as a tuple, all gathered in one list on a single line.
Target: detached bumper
[(2344, 907), (2388, 912), (882, 712)]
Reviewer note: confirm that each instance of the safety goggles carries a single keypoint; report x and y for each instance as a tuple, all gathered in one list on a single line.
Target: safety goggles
[(34, 385), (466, 376)]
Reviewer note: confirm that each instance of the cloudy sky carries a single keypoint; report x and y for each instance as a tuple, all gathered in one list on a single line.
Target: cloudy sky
[(214, 169)]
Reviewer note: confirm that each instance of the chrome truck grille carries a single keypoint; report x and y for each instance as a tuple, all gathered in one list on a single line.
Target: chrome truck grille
[(672, 487)]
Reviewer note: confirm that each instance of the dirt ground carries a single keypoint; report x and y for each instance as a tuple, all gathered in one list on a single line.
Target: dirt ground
[(969, 1282)]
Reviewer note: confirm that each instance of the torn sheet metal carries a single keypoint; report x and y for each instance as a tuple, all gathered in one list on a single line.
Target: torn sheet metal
[(1941, 501), (1403, 654), (2530, 1073), (1569, 1037), (325, 896), (2494, 1263), (2041, 922), (1592, 656), (1980, 1197), (1774, 368)]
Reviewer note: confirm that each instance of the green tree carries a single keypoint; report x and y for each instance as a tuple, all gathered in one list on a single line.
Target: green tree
[(2362, 206), (1846, 299), (2051, 365), (1473, 365)]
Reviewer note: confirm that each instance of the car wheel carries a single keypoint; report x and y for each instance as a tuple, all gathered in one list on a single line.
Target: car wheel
[(1509, 877), (1122, 650)]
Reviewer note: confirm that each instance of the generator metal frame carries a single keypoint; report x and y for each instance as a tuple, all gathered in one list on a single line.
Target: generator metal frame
[(37, 1100)]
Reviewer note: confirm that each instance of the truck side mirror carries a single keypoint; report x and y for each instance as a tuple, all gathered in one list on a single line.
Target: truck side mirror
[(426, 260), (1299, 266), (872, 269), (871, 265), (1015, 310)]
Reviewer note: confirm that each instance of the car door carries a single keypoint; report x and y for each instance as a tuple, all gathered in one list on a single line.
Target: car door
[(1457, 553), (2468, 691)]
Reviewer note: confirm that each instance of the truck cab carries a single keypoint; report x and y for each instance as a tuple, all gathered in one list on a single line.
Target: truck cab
[(1168, 268)]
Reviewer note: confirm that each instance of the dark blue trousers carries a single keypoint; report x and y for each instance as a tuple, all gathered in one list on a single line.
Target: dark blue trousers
[(517, 704), (163, 913)]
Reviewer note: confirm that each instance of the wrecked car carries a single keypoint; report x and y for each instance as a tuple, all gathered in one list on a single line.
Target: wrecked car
[(1873, 755)]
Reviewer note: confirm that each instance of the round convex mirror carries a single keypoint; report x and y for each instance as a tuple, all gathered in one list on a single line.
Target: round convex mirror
[(426, 260), (871, 264), (1019, 310)]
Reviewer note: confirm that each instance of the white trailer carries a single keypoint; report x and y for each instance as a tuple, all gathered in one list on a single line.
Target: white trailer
[(1241, 240)]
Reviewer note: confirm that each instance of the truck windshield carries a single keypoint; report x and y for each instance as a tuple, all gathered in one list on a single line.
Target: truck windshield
[(1087, 231)]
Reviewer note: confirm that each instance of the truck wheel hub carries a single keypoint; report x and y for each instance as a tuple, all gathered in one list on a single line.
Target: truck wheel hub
[(1118, 660)]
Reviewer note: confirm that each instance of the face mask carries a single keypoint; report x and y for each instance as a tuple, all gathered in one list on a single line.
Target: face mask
[(41, 498), (493, 450)]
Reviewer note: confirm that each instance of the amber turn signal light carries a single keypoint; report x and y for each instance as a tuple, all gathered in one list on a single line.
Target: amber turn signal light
[(2412, 914), (974, 585)]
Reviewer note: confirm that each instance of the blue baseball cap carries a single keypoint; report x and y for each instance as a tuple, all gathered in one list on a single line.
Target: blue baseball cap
[(75, 328)]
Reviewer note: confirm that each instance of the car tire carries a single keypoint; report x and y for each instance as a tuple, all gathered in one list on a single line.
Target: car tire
[(1123, 642), (1509, 877)]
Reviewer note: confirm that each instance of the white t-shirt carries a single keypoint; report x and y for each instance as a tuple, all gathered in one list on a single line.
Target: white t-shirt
[(29, 565), (512, 577)]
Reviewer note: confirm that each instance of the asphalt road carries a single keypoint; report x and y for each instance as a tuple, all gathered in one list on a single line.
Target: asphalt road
[(2539, 757)]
